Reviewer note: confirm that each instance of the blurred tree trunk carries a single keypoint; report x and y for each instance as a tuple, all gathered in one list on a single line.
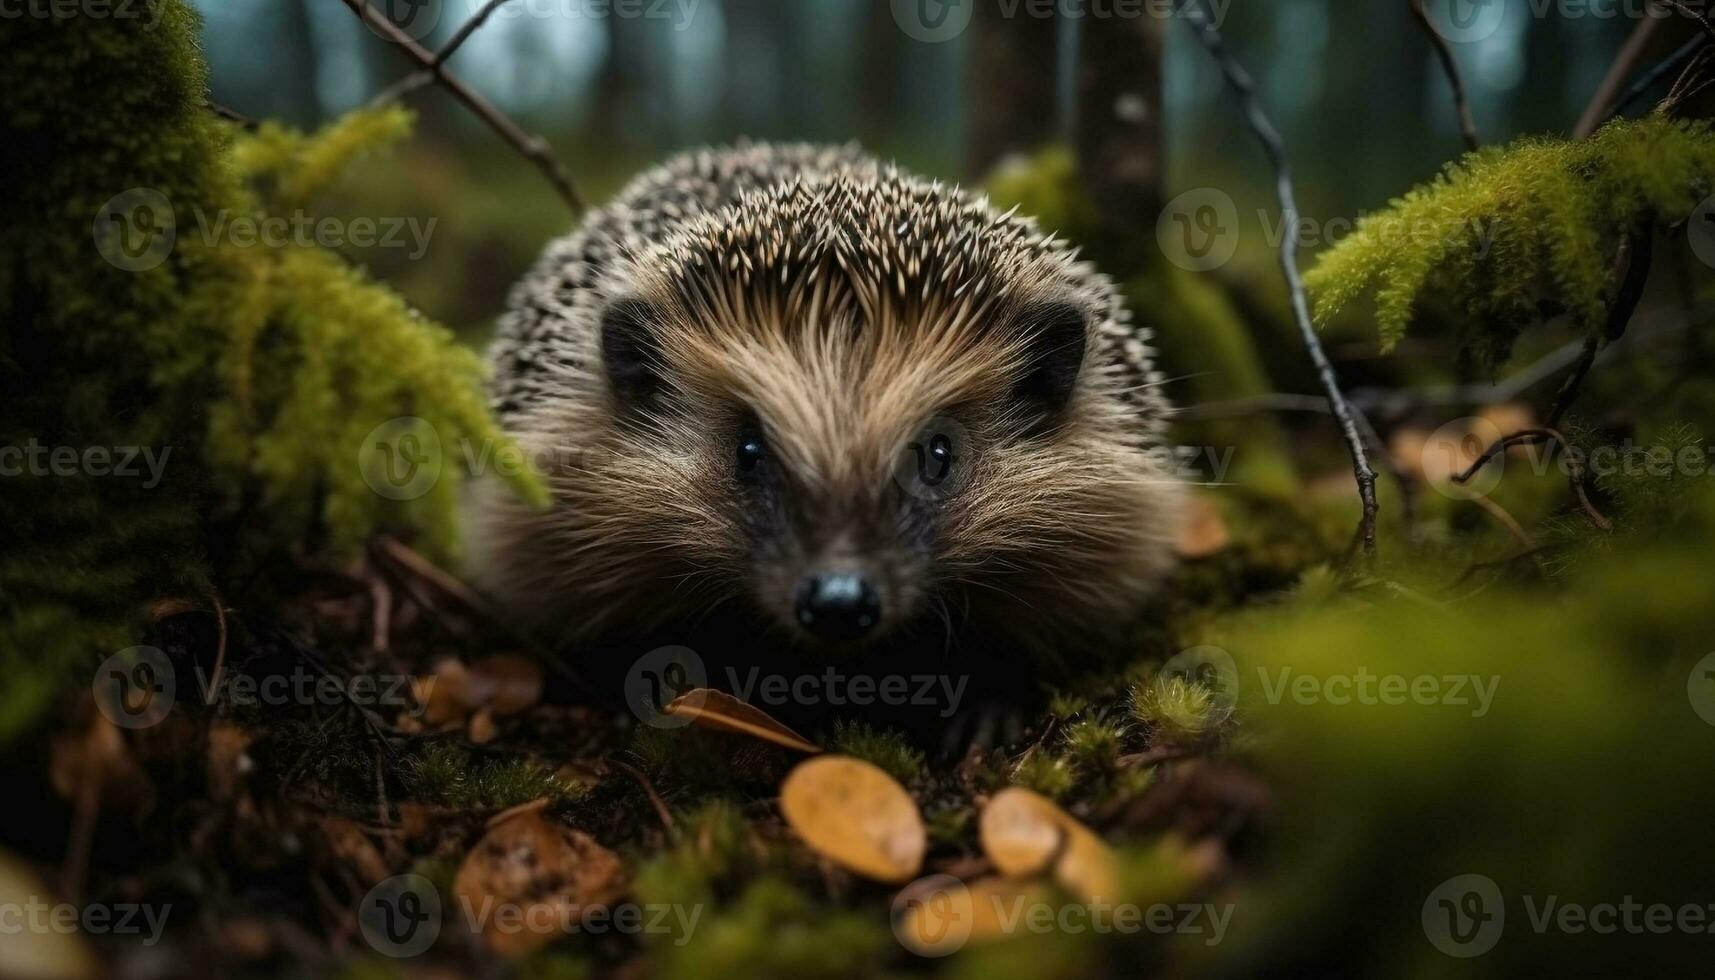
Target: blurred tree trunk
[(1118, 130), (880, 95), (626, 111), (293, 94), (1013, 79)]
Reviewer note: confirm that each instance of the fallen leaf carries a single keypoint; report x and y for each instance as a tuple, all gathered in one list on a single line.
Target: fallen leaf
[(482, 727), (347, 842), (1202, 531), (1023, 832), (508, 683), (939, 915), (709, 708), (505, 684), (856, 815), (42, 954), (531, 878)]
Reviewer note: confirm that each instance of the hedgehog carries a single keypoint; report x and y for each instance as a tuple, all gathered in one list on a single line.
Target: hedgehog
[(798, 406)]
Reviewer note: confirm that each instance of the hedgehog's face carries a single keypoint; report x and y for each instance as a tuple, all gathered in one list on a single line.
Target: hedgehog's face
[(859, 472)]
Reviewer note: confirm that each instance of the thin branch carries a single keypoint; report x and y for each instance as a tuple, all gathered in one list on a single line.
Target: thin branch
[(1576, 473), (425, 77), (1608, 93), (1240, 82), (1450, 66), (1637, 254), (533, 147), (1669, 65)]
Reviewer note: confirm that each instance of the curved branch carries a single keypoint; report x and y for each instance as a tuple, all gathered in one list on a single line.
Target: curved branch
[(1239, 80)]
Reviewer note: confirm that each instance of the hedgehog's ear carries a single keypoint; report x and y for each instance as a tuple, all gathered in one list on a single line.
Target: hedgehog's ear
[(1055, 335), (630, 352)]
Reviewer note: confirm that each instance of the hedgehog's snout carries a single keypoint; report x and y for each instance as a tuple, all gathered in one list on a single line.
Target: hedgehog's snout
[(838, 606)]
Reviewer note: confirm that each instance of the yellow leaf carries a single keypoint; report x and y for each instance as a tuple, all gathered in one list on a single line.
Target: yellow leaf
[(856, 816)]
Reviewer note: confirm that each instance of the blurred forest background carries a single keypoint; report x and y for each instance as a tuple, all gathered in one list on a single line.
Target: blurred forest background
[(1354, 86)]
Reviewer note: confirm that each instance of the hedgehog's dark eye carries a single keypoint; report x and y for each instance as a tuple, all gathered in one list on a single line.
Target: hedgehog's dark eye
[(751, 449), (935, 458), (934, 464)]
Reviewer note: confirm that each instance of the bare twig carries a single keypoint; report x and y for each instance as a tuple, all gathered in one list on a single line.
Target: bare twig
[(533, 147), (1450, 66), (1637, 253), (424, 77), (231, 115), (1239, 80), (1608, 93), (660, 805), (1672, 63), (1576, 473)]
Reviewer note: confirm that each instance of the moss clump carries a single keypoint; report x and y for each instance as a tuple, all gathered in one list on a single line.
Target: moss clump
[(445, 773), (1094, 743), (139, 312), (887, 751), (1502, 225), (1175, 708), (1046, 773), (773, 930)]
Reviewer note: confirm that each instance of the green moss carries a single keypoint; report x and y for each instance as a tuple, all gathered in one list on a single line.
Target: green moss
[(1046, 773), (1094, 743), (1175, 708), (445, 773), (774, 930), (1503, 224), (888, 751), (258, 370)]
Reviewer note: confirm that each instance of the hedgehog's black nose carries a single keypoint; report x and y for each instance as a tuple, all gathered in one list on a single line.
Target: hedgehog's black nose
[(838, 605)]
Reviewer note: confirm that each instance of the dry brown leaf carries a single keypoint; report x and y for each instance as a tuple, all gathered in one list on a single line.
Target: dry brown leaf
[(938, 915), (508, 683), (347, 842), (1023, 831), (529, 880), (42, 954), (444, 693), (482, 727), (1202, 531), (856, 815), (709, 708), (228, 759)]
